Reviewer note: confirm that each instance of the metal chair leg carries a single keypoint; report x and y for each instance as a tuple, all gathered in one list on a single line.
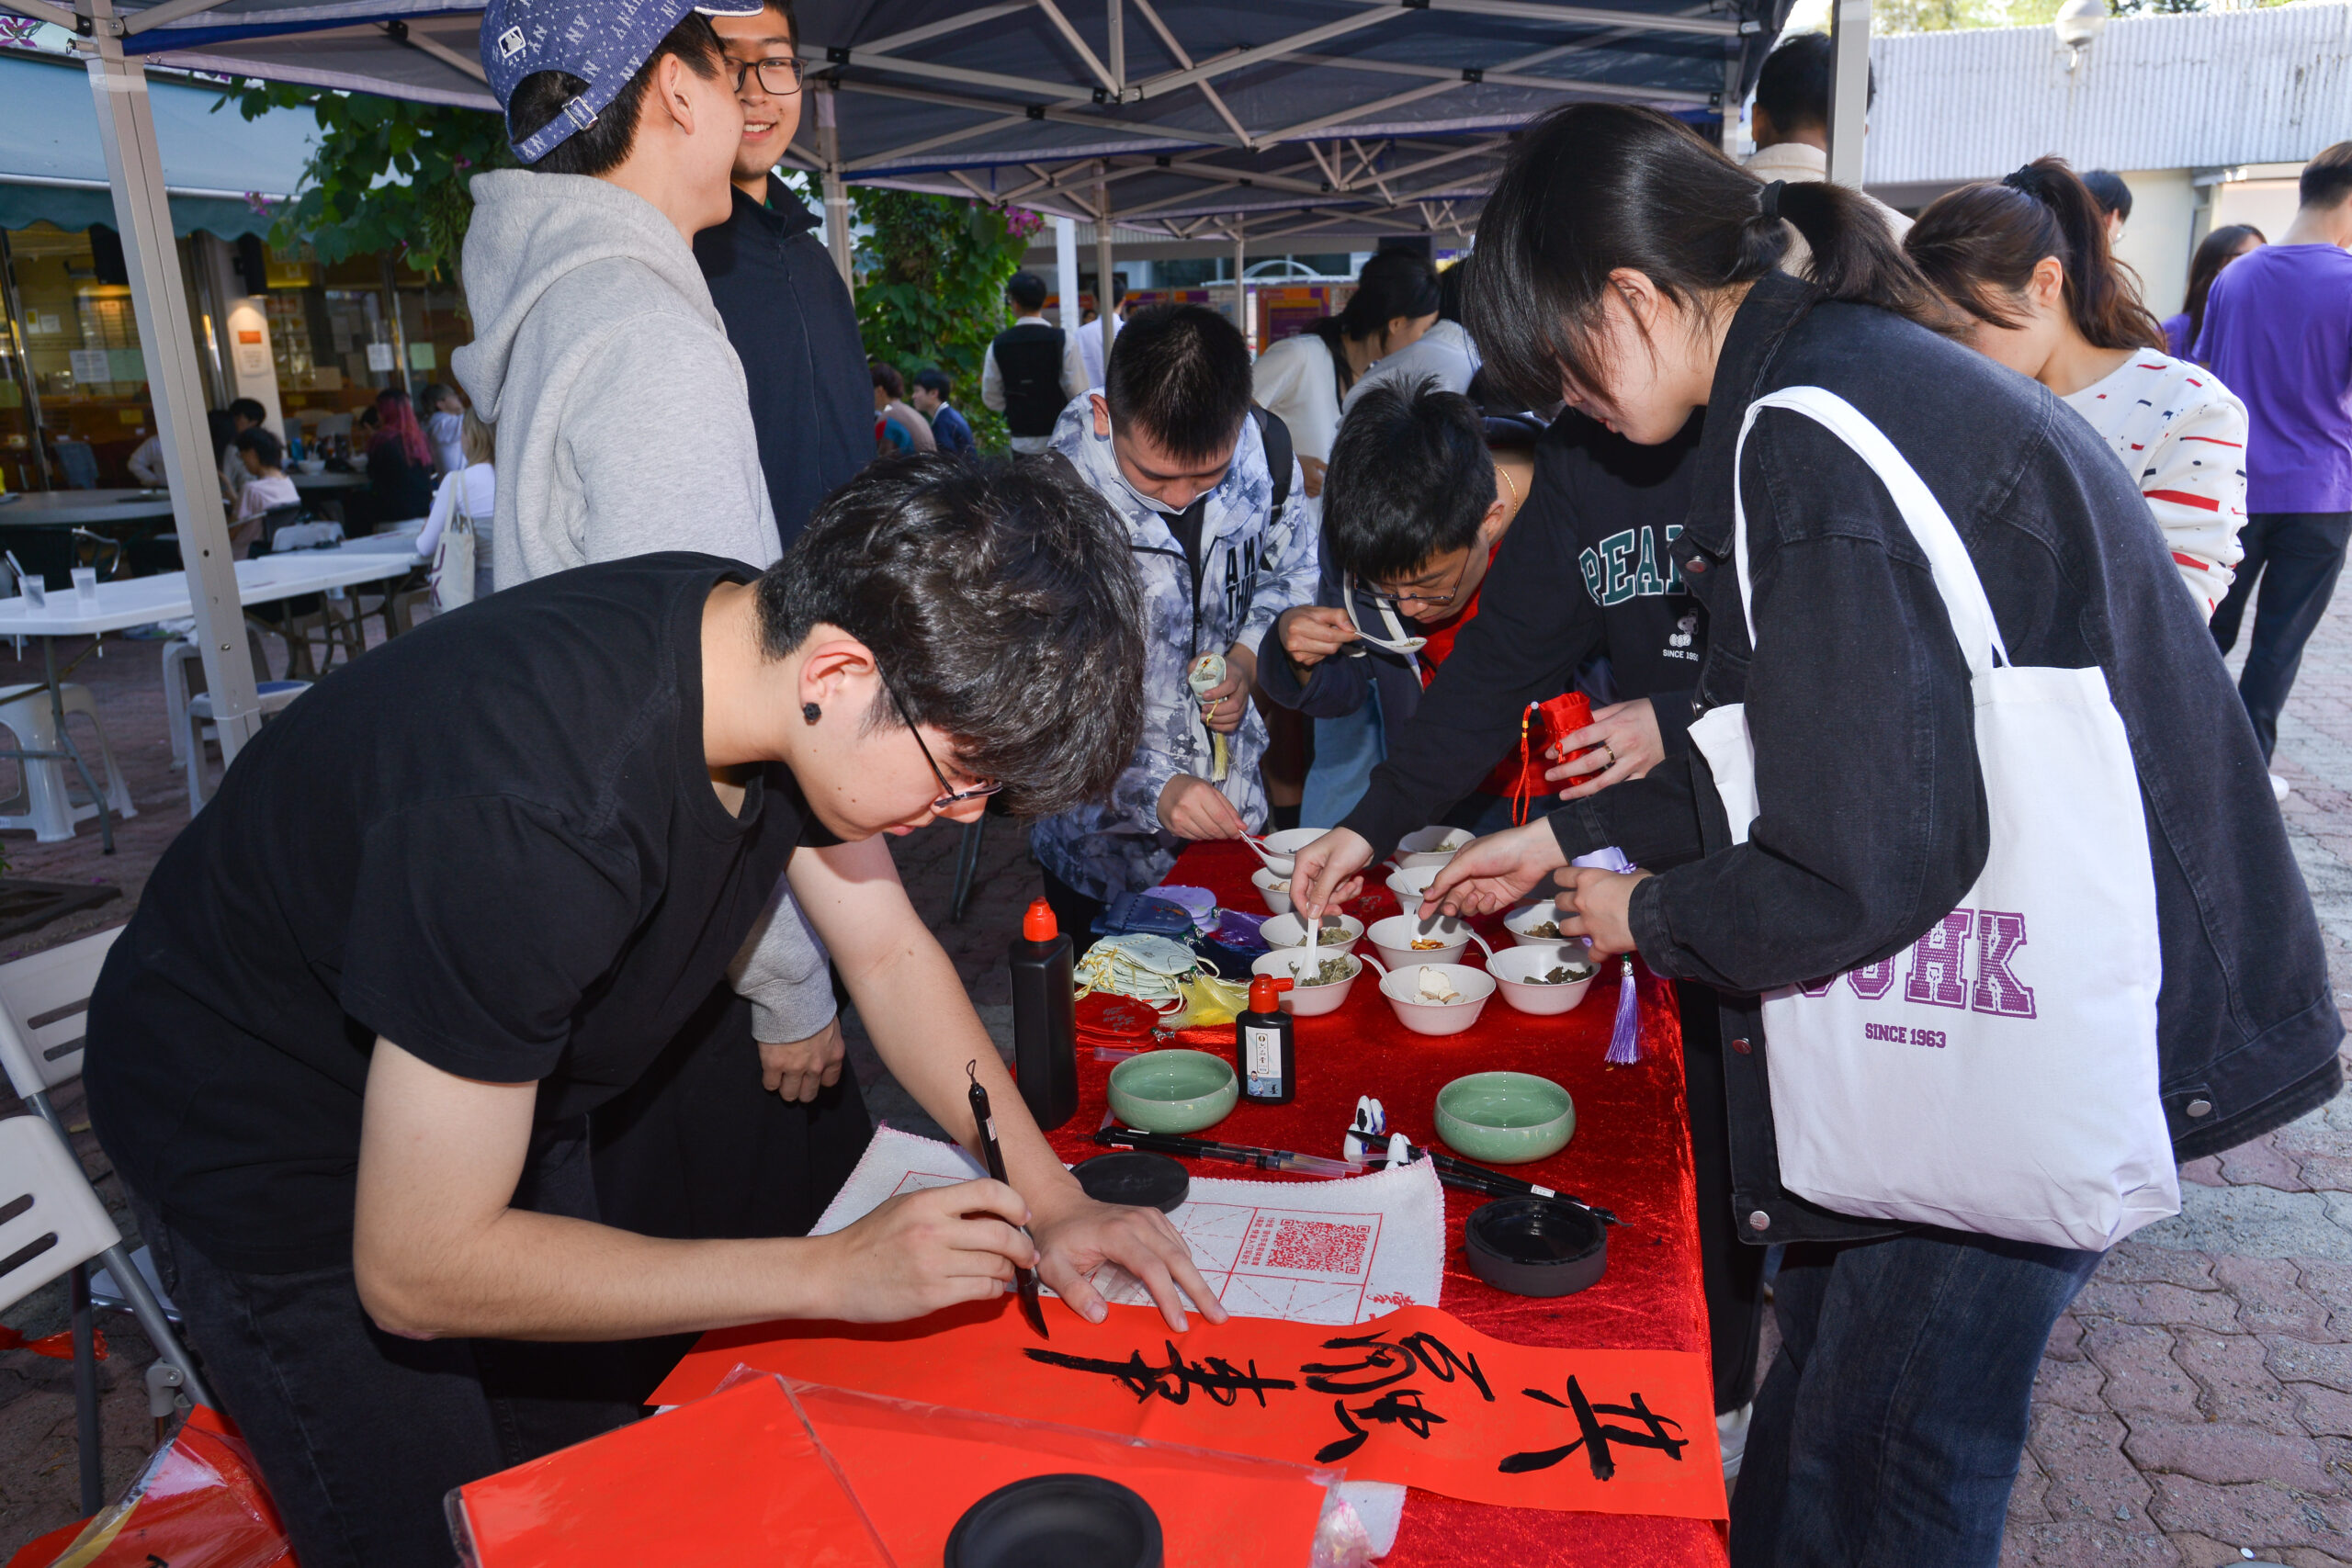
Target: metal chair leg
[(968, 865), (85, 1392)]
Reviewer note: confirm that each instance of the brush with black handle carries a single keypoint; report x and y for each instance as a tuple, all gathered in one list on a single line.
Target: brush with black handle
[(1025, 1280)]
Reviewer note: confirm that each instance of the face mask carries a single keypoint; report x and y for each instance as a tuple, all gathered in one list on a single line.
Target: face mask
[(1396, 641), (1134, 963)]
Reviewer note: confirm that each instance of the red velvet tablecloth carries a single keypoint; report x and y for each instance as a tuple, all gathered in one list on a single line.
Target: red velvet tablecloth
[(1630, 1153)]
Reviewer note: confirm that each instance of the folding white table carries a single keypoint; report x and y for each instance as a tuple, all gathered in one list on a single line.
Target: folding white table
[(140, 600)]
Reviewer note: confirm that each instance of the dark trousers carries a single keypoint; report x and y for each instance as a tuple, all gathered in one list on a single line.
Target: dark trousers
[(360, 1433), (1887, 1433), (1730, 1272), (1074, 913), (2297, 555)]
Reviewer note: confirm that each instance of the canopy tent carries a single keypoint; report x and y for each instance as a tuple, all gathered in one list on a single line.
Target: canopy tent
[(52, 170)]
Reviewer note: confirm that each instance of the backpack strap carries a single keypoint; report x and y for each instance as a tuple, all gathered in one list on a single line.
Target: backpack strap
[(1275, 436)]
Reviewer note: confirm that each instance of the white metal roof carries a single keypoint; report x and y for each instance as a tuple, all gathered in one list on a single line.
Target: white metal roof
[(2194, 90)]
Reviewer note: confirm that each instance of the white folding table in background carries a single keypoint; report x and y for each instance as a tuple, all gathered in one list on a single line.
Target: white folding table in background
[(140, 601)]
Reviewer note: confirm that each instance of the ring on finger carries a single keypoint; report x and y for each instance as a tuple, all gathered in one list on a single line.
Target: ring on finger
[(1608, 751)]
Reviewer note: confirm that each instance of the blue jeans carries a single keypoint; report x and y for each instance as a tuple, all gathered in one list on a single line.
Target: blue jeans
[(2297, 555), (1887, 1433), (1346, 750)]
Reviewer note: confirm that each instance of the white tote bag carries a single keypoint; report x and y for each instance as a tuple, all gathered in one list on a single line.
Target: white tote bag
[(2000, 1075)]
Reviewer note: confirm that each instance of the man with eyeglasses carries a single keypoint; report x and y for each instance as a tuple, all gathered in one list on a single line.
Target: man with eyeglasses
[(344, 1054), (787, 311)]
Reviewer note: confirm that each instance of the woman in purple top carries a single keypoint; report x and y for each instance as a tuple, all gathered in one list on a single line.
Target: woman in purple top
[(2278, 333), (2218, 250)]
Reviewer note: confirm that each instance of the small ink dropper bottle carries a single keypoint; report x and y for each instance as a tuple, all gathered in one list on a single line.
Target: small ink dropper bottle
[(1266, 1048)]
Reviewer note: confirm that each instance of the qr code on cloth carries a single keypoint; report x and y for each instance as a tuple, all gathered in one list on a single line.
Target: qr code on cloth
[(1318, 1246)]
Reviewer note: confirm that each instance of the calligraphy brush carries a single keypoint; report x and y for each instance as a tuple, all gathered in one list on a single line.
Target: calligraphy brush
[(1025, 1280), (1471, 1178), (1110, 1135)]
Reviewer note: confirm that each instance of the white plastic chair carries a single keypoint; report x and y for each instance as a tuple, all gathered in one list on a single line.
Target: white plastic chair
[(44, 1000), (183, 668), (275, 695), (54, 1224), (51, 810)]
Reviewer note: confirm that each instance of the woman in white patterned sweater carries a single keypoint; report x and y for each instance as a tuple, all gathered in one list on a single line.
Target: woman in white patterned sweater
[(2026, 264)]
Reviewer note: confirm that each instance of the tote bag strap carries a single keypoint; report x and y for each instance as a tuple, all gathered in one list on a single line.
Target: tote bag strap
[(1963, 593)]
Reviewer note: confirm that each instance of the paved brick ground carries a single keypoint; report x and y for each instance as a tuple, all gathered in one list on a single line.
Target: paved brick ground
[(2195, 1407)]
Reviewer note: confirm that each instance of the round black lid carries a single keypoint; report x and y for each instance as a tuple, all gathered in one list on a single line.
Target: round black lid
[(1134, 1176), (1535, 1247), (1057, 1521)]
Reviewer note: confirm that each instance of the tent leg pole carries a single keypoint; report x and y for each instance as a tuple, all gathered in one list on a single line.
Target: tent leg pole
[(167, 339), (1106, 295), (1849, 79), (829, 150)]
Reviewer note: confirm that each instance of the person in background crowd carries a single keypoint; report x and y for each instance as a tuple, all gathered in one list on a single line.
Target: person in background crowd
[(399, 463), (1033, 369), (364, 1180), (146, 463), (1090, 337), (1635, 267), (444, 413), (245, 414), (788, 312), (896, 427), (950, 428), (2278, 330), (469, 491), (2026, 263), (1170, 442), (1443, 354), (2114, 198), (589, 309), (1790, 123), (2216, 251), (266, 485), (1302, 378)]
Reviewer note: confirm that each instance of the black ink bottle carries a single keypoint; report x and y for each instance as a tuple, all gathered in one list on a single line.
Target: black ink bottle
[(1045, 1019), (1266, 1050)]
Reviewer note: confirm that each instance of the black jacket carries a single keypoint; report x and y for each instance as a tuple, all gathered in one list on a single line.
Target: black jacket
[(1874, 820), (1600, 511), (789, 316)]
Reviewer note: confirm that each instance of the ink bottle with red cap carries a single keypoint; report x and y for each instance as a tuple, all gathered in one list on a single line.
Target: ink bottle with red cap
[(1264, 1047), (1045, 1019)]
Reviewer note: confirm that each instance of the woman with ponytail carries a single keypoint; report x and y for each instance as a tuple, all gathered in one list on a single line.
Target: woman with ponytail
[(2026, 265), (2214, 252), (1628, 269)]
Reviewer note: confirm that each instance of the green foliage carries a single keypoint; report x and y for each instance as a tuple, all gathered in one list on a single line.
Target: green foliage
[(930, 288), (387, 174)]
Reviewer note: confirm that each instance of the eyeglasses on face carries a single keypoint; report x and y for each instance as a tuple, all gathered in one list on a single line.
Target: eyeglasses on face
[(779, 78), (949, 795)]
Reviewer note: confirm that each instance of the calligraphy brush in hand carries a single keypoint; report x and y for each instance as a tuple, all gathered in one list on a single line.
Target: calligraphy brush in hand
[(1025, 1280)]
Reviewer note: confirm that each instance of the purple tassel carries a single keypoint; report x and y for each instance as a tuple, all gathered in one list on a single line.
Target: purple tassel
[(1625, 1039)]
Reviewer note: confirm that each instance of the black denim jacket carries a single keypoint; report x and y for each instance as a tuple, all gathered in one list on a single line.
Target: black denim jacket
[(1875, 822)]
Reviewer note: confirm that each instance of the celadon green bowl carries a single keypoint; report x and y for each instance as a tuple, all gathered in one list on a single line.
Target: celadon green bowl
[(1505, 1118), (1174, 1091)]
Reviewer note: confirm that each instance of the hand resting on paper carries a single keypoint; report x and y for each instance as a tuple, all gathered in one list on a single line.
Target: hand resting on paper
[(1082, 1235), (798, 1069), (1599, 905), (1496, 872), (1630, 734)]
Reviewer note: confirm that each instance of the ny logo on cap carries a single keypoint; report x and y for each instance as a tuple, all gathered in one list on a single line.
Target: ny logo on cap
[(510, 43)]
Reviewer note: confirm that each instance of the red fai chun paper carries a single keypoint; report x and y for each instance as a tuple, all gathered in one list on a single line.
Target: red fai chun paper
[(1417, 1396)]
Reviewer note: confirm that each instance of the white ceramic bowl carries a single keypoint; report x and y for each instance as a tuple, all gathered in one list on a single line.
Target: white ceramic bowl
[(1402, 987), (1393, 940), (1277, 902), (1280, 847), (1310, 1001), (1409, 885), (1515, 970), (1289, 931), (1534, 914), (1429, 846)]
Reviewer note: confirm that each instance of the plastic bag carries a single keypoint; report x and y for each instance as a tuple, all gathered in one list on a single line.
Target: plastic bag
[(199, 1504)]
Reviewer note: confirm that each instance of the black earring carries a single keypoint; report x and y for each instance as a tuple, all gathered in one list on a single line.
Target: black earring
[(810, 713)]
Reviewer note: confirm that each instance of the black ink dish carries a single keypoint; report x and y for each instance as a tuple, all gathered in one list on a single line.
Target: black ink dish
[(1057, 1521), (1534, 1246), (1132, 1177)]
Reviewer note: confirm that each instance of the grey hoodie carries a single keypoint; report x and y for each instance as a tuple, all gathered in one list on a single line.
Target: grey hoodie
[(624, 428)]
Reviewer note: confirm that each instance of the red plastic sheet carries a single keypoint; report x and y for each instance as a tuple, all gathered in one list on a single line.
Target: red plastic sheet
[(732, 1479), (1415, 1397), (199, 1505)]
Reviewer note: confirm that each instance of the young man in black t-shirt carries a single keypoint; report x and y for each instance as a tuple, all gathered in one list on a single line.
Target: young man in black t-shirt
[(462, 894)]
